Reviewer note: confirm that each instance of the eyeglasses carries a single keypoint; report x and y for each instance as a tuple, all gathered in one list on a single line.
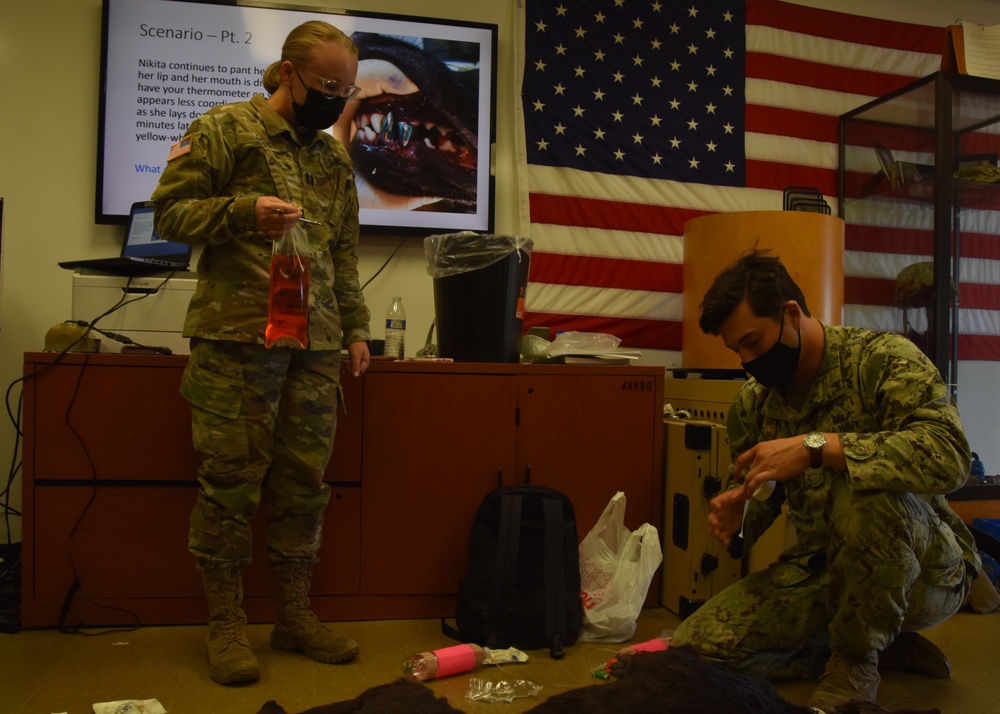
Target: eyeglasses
[(332, 88)]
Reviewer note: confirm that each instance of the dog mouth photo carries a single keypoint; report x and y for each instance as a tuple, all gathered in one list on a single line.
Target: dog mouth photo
[(413, 132)]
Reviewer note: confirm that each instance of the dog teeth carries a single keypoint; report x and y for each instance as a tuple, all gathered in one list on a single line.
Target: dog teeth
[(385, 134), (375, 129), (405, 132)]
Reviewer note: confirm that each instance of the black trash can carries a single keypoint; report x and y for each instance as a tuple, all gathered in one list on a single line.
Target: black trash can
[(479, 287)]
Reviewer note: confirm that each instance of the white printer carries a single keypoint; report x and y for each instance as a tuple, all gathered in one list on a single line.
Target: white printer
[(152, 313)]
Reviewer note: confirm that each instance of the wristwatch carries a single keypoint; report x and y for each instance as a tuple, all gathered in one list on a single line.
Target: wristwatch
[(815, 441)]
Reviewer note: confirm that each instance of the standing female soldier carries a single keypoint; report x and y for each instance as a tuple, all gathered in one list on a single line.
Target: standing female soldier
[(242, 176)]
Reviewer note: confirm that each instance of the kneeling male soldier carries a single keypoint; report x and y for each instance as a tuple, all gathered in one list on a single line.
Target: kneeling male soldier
[(856, 429)]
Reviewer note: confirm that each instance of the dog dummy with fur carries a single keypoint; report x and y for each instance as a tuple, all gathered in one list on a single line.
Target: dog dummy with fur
[(675, 681)]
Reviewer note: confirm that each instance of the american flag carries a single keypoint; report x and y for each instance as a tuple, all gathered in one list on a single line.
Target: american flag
[(180, 148), (642, 114)]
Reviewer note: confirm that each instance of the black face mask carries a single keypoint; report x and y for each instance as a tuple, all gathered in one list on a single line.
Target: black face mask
[(776, 366), (319, 111)]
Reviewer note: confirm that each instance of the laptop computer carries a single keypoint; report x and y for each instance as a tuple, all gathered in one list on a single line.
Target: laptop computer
[(143, 251)]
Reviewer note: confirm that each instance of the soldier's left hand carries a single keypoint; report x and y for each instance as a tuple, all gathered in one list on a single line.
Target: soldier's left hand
[(360, 357), (726, 515)]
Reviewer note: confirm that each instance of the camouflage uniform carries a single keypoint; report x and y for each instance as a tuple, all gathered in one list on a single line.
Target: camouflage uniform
[(878, 548), (256, 411)]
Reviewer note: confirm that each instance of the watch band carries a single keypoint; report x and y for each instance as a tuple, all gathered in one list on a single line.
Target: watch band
[(816, 458), (815, 441)]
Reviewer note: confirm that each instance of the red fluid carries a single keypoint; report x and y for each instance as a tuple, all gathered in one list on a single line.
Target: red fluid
[(288, 305)]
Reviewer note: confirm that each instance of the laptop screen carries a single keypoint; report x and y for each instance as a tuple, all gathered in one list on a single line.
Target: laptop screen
[(142, 241)]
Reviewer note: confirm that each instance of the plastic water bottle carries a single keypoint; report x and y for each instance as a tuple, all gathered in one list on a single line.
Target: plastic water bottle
[(395, 329), (441, 663), (656, 644)]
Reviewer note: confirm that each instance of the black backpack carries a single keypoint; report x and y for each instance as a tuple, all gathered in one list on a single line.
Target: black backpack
[(522, 586)]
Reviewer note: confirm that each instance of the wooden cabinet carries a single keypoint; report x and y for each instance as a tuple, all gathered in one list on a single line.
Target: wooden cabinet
[(433, 447), (591, 435), (109, 484), (436, 442), (110, 478)]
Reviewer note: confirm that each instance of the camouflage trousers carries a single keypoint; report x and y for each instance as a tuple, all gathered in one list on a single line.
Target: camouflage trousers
[(260, 417), (890, 565)]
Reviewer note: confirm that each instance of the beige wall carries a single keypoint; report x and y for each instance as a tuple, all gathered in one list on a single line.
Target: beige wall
[(49, 65), (49, 61)]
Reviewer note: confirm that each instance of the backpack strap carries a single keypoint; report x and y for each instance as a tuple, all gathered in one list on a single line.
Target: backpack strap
[(505, 566), (449, 631), (555, 578)]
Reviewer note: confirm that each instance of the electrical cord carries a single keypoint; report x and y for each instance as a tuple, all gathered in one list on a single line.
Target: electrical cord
[(117, 337), (78, 585), (387, 261), (15, 418)]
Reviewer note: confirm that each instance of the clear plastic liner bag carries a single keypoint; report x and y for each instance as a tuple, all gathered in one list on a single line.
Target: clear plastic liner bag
[(288, 302), (483, 690), (454, 253)]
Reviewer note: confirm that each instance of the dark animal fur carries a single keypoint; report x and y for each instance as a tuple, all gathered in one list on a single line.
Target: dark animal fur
[(676, 681), (402, 696), (449, 100)]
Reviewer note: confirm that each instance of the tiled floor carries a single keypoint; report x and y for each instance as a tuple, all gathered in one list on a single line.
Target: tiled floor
[(43, 671)]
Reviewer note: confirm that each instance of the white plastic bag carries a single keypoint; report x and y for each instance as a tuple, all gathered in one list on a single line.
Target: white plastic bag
[(616, 567)]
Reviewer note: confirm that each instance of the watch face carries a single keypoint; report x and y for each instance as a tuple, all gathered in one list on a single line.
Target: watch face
[(815, 440)]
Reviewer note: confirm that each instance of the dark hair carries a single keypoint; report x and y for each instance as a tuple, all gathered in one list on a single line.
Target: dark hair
[(759, 279)]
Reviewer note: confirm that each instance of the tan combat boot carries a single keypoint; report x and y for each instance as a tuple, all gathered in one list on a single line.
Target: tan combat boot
[(847, 678), (230, 660), (297, 629), (983, 597), (911, 652)]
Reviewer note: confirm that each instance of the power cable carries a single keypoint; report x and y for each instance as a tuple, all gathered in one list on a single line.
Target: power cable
[(15, 466)]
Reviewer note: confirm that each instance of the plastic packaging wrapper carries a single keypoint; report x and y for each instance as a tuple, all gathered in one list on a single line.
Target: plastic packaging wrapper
[(511, 655), (455, 253), (616, 567), (130, 706), (581, 343), (482, 690)]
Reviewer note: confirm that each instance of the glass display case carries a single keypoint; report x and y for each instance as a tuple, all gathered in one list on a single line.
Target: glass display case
[(918, 193)]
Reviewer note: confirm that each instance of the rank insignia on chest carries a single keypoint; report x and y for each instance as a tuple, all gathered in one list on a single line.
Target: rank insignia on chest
[(769, 430)]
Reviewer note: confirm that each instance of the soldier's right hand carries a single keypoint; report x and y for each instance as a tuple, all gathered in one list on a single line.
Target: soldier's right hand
[(275, 216)]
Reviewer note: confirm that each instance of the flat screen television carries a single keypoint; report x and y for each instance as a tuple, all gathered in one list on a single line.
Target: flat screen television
[(420, 133)]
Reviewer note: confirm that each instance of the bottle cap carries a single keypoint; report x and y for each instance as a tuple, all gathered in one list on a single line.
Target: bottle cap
[(430, 663)]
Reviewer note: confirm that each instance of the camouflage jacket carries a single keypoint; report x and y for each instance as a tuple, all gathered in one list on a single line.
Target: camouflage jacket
[(900, 432), (206, 196)]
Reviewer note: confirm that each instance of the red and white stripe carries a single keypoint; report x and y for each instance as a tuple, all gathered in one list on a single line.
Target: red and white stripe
[(609, 250)]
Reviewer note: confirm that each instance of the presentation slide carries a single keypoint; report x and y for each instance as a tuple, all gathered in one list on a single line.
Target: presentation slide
[(166, 62)]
